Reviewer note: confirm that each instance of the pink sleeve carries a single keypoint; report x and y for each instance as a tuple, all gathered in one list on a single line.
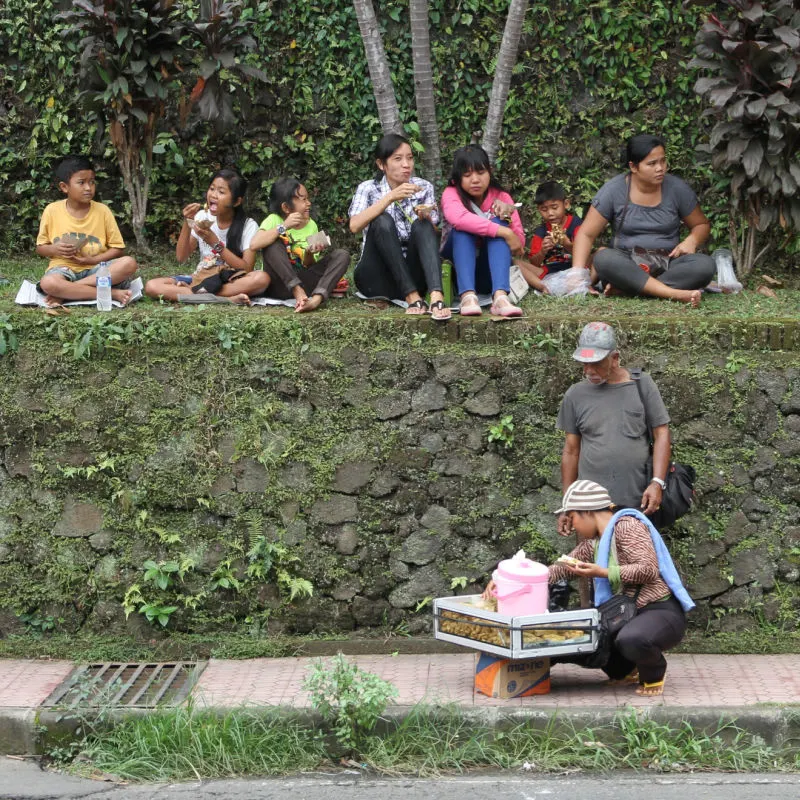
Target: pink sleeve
[(516, 222), (464, 220)]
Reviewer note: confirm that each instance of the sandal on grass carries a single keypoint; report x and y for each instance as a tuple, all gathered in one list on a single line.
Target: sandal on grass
[(503, 307), (417, 308), (439, 311), (653, 689)]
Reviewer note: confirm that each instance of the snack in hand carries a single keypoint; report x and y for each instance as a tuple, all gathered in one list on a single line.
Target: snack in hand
[(203, 224), (424, 208), (557, 234), (569, 561), (319, 238)]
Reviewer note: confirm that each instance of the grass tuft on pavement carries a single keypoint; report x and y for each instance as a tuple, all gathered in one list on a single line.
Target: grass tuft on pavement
[(191, 743)]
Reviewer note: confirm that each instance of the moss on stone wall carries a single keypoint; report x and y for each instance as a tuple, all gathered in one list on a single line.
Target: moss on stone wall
[(211, 468)]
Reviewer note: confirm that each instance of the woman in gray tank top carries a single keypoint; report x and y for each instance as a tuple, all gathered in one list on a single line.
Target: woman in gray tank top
[(646, 207)]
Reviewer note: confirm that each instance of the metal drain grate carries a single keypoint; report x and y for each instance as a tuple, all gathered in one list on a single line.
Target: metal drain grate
[(127, 685)]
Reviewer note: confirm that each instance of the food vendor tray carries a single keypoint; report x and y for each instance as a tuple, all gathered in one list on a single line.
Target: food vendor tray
[(460, 621)]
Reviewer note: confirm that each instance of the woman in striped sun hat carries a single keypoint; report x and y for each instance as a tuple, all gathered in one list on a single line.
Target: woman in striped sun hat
[(625, 554)]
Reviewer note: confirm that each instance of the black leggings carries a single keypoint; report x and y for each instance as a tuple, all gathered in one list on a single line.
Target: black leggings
[(641, 643), (617, 267), (383, 270)]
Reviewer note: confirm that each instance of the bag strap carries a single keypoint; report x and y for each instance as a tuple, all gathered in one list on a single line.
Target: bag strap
[(618, 225), (636, 376)]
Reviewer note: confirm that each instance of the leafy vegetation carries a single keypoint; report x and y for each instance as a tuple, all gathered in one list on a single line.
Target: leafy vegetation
[(349, 699), (568, 110), (750, 56), (188, 743)]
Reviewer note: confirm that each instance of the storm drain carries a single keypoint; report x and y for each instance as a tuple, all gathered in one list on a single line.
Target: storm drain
[(139, 685)]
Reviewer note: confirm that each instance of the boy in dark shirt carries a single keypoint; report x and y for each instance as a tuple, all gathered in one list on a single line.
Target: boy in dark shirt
[(551, 245)]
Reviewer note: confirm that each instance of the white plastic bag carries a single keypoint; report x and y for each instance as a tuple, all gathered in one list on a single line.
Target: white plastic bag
[(568, 283), (726, 277)]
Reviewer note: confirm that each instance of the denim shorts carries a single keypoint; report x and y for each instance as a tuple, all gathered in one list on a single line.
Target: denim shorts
[(73, 276)]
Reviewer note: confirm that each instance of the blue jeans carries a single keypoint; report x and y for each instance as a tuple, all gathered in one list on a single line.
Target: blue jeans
[(481, 263)]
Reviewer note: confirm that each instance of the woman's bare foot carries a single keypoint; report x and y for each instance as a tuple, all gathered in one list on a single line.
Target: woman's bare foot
[(241, 299), (692, 297), (612, 291), (122, 296), (311, 303)]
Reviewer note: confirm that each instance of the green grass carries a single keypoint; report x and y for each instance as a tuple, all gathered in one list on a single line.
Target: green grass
[(189, 743), (747, 305)]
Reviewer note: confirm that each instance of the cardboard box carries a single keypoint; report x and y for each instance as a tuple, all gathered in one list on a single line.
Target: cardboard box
[(504, 678)]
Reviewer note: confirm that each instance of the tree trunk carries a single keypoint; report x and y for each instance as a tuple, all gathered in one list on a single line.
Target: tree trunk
[(506, 59), (423, 88), (379, 73), (135, 174)]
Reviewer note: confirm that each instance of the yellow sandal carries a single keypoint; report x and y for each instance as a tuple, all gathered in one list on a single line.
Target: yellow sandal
[(630, 678), (654, 689)]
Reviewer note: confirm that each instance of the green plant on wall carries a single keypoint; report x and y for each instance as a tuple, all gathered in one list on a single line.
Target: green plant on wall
[(750, 57), (503, 431)]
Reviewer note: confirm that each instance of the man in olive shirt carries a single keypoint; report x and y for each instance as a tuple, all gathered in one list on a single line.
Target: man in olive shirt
[(608, 422)]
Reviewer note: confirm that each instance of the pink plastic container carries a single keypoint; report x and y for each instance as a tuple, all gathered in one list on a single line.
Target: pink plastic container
[(521, 586)]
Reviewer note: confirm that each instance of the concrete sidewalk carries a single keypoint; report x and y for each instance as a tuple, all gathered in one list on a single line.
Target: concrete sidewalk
[(759, 691)]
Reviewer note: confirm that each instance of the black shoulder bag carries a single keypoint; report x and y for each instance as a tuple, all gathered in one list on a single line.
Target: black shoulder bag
[(677, 498)]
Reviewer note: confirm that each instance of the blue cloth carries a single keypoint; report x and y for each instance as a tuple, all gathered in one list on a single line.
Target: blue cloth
[(483, 269), (602, 587)]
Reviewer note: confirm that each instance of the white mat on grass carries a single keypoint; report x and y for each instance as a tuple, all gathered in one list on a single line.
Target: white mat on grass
[(483, 300), (29, 295)]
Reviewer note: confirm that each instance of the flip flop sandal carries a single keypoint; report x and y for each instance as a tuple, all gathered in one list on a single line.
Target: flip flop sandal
[(440, 312), (417, 308)]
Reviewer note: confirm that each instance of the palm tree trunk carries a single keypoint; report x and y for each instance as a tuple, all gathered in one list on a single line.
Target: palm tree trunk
[(382, 88), (506, 59), (423, 88)]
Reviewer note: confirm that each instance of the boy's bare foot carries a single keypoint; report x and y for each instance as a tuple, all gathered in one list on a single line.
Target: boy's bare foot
[(122, 296), (311, 303), (52, 302), (612, 291)]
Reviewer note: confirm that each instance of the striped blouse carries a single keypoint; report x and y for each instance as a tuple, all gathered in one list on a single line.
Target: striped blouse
[(638, 563)]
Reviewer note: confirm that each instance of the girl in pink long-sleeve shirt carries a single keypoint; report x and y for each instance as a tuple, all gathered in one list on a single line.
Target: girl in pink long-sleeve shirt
[(482, 233)]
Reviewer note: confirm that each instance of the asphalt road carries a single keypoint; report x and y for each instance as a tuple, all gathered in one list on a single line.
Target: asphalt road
[(23, 780)]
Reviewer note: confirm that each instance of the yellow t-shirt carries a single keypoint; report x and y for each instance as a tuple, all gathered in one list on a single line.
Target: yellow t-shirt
[(98, 227)]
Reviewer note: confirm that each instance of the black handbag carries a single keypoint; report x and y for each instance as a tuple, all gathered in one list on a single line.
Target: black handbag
[(615, 614), (678, 496)]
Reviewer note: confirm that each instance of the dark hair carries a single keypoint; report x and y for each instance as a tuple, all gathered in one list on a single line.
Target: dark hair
[(638, 147), (547, 191), (284, 190), (69, 165), (238, 186), (386, 146), (469, 159)]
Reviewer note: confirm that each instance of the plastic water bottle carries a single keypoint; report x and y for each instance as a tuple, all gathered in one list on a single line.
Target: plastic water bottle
[(103, 287)]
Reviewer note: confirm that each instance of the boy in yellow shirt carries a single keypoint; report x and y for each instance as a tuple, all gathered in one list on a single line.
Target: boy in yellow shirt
[(77, 235)]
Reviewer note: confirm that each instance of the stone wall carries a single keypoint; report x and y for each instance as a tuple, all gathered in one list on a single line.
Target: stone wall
[(243, 454)]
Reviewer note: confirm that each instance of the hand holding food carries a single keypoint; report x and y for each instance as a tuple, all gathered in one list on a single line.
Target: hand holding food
[(190, 211), (404, 191), (558, 235), (424, 210)]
